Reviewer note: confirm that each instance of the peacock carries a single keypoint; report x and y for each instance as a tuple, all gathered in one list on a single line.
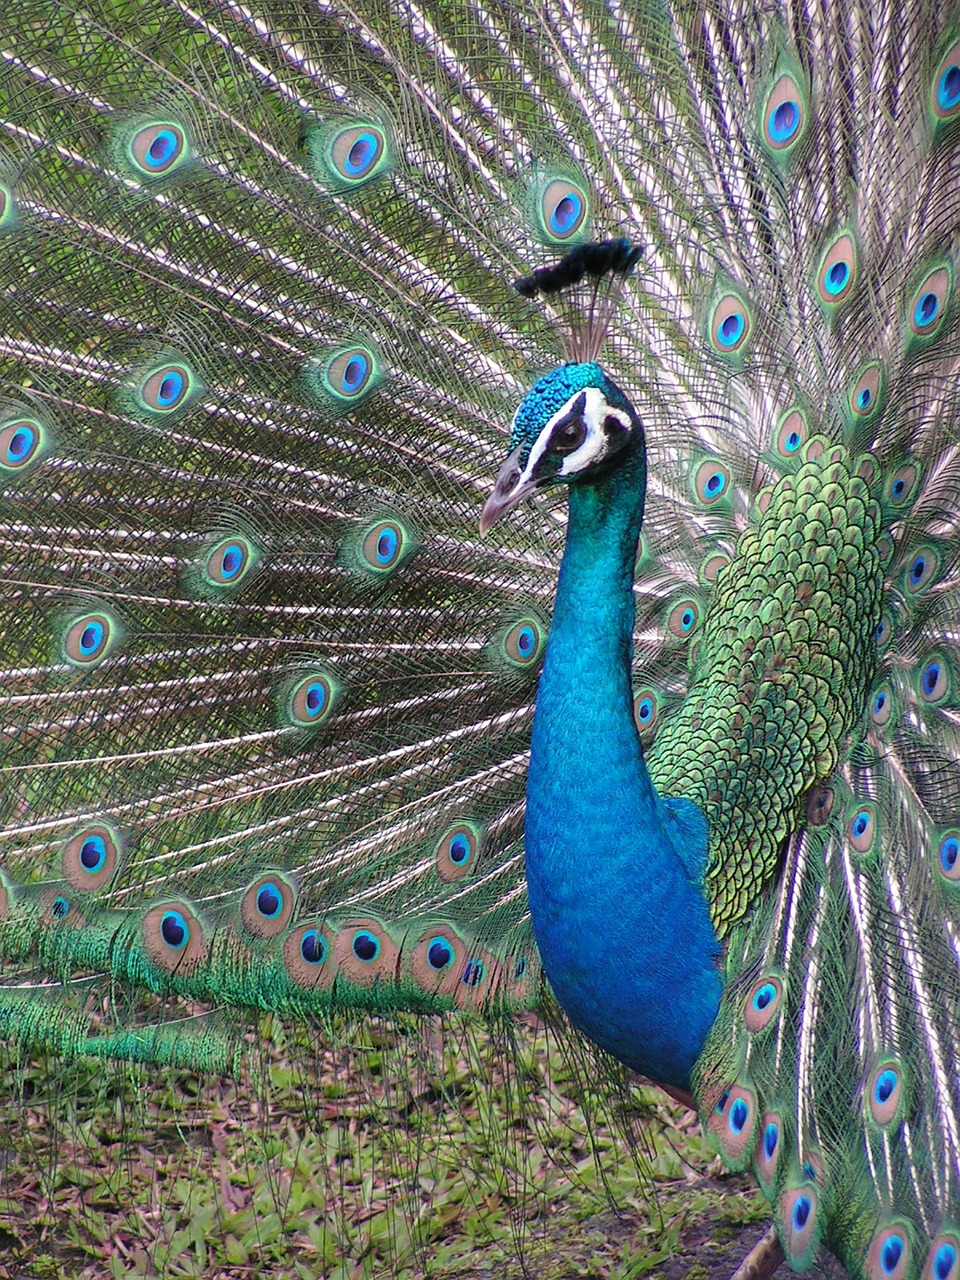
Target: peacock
[(305, 710)]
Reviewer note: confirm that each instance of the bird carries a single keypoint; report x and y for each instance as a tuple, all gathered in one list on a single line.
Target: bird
[(675, 743)]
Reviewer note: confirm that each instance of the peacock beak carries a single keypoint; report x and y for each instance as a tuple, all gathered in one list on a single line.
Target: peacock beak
[(511, 487)]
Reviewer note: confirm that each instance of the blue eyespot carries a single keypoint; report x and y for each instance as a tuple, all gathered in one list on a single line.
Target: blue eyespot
[(174, 930), (354, 373), (945, 1259), (860, 824), (864, 397), (837, 277), (645, 709), (948, 88), (784, 121), (459, 849), (313, 947), (931, 675), (439, 954), (232, 561), (792, 442), (562, 209), (93, 853), (162, 149), (60, 908), (891, 1253), (91, 638), (523, 643), (884, 1085), (763, 996), (771, 1136), (316, 697), (157, 148), (269, 901), (526, 642), (19, 442), (520, 968), (801, 1212), (730, 330), (739, 1115), (473, 973), (171, 389), (949, 853), (366, 946), (879, 703), (566, 214), (925, 311), (934, 680), (363, 155)]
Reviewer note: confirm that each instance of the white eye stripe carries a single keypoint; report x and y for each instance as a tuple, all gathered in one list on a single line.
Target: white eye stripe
[(595, 444)]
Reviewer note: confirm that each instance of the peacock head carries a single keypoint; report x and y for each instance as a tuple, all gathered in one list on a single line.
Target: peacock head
[(573, 425)]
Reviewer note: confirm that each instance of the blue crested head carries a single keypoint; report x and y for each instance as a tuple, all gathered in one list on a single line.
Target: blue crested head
[(573, 424)]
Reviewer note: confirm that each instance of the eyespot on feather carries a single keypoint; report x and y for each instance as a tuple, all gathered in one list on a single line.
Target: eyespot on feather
[(800, 1224), (948, 856), (365, 953), (309, 701), (88, 639), (733, 1121), (437, 960), (729, 325), (522, 644), (784, 116), (89, 859), (646, 711), (358, 152), (943, 1258), (456, 852), (762, 1003), (837, 272), (904, 484), (929, 305), (866, 394), (228, 562), (819, 806), (862, 828), (792, 433), (883, 1092), (946, 86), (766, 1156), (344, 376), (157, 148), (934, 679), (308, 956), (922, 571), (23, 442), (683, 619), (888, 1255), (173, 938), (267, 905), (881, 706), (563, 208), (383, 546), (712, 481), (480, 978)]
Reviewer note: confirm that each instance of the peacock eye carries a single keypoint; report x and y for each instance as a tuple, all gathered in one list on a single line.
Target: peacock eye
[(569, 435)]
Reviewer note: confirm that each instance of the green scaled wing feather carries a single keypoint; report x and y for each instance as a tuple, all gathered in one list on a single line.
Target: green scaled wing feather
[(266, 697)]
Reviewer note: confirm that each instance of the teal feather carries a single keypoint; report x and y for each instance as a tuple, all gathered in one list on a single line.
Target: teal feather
[(267, 697)]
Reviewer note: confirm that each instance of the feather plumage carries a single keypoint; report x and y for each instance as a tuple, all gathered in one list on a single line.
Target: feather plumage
[(266, 696)]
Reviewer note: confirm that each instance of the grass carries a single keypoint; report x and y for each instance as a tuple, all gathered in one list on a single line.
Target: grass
[(408, 1149)]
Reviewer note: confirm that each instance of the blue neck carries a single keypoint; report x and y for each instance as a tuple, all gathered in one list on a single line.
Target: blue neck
[(621, 921)]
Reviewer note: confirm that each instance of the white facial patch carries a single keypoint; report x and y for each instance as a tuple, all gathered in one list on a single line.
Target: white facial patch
[(596, 443)]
